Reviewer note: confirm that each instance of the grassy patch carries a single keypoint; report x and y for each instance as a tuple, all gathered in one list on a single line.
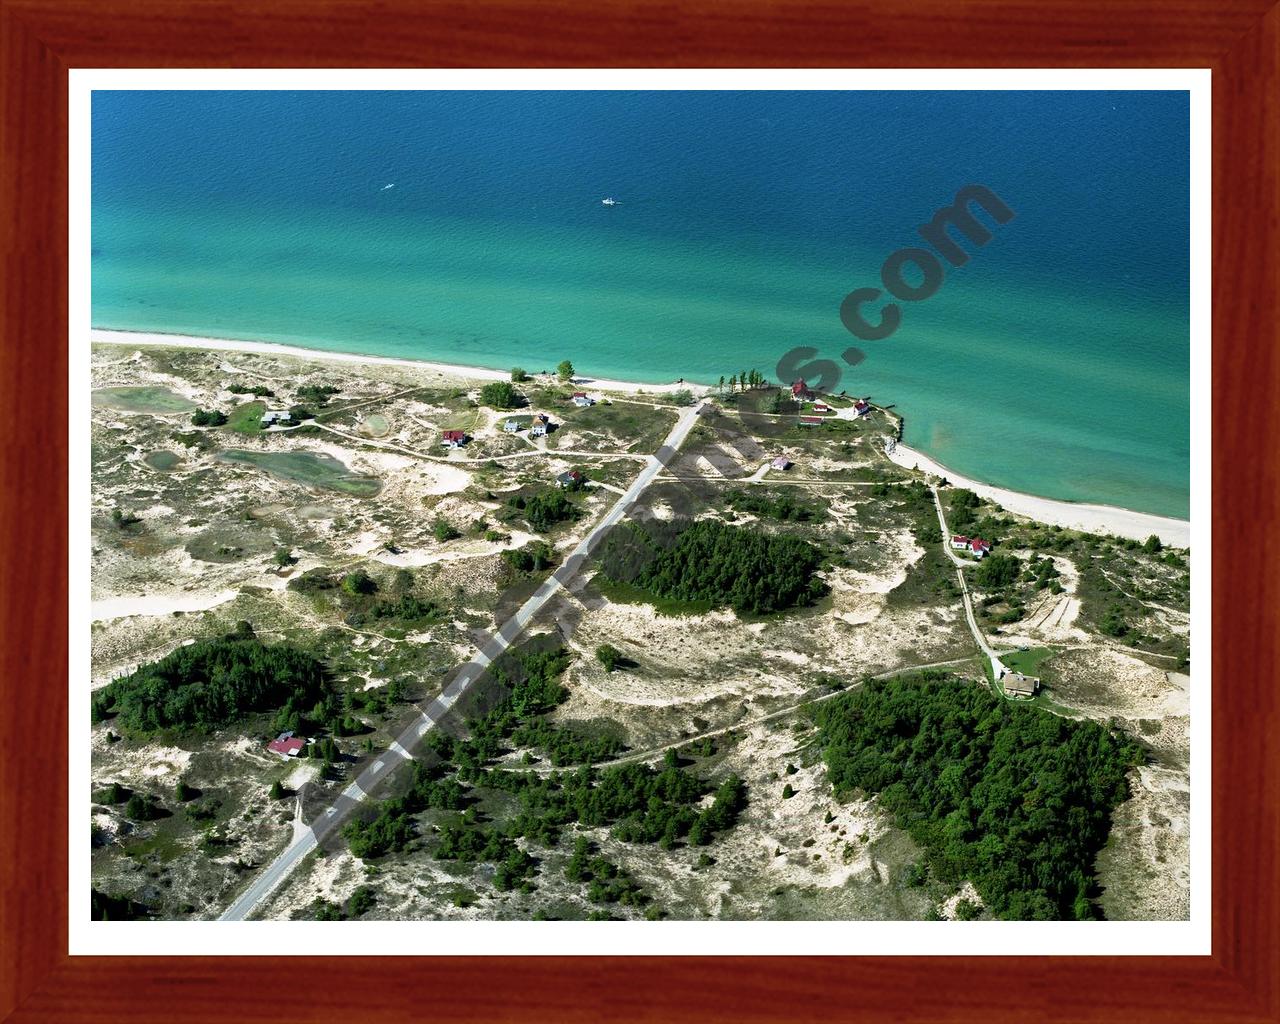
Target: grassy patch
[(142, 399), (310, 468), (246, 418), (1027, 662), (626, 593)]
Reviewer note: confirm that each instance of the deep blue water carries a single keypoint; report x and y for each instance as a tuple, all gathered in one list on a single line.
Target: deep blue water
[(1055, 361)]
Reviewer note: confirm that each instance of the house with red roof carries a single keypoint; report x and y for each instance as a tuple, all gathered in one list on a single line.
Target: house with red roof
[(800, 390), (454, 438), (862, 407), (821, 407), (810, 421), (979, 547), (960, 543), (287, 745)]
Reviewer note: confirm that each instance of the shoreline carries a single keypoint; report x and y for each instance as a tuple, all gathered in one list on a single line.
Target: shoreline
[(157, 339), (1091, 518)]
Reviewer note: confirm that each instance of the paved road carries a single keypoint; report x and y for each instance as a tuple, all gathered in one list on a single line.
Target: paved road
[(306, 840)]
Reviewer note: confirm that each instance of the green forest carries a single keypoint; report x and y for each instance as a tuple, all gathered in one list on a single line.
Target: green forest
[(212, 683), (749, 570), (1011, 797), (642, 803)]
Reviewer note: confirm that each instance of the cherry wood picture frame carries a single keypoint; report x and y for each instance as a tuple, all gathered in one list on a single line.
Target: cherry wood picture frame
[(40, 40)]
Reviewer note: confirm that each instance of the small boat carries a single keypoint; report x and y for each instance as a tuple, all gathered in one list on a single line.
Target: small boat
[(385, 187), (610, 201)]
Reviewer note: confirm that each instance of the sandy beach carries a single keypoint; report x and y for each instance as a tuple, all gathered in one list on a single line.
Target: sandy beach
[(449, 370), (1122, 522), (1093, 518)]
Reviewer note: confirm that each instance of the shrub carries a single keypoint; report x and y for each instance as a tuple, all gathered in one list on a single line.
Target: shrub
[(996, 571), (317, 394), (208, 418), (499, 394), (565, 370), (609, 656), (358, 582)]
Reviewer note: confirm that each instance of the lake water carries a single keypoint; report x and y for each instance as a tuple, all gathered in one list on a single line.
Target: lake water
[(1055, 361)]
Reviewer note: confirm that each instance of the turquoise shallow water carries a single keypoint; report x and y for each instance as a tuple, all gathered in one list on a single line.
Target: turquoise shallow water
[(1054, 362)]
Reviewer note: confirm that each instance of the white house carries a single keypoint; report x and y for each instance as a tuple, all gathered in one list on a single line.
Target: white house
[(582, 400), (273, 416), (1017, 685), (511, 426)]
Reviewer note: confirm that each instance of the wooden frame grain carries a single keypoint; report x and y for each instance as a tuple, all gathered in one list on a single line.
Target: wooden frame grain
[(41, 39)]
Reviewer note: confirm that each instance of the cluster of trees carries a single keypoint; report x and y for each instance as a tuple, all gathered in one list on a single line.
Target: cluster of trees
[(535, 556), (545, 508), (211, 683), (406, 609), (1113, 622), (709, 561), (317, 394), (1011, 797), (256, 390), (534, 688), (782, 507), (500, 394), (144, 807), (962, 505), (104, 907), (393, 826), (112, 794), (1043, 573), (361, 604), (607, 883), (208, 418), (470, 844), (722, 815), (361, 901), (748, 380), (565, 746), (642, 803), (995, 572)]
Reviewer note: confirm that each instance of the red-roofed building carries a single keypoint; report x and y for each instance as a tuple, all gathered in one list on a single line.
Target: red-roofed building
[(821, 407), (960, 543), (800, 389), (979, 546), (454, 438), (287, 745), (810, 421), (862, 407)]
